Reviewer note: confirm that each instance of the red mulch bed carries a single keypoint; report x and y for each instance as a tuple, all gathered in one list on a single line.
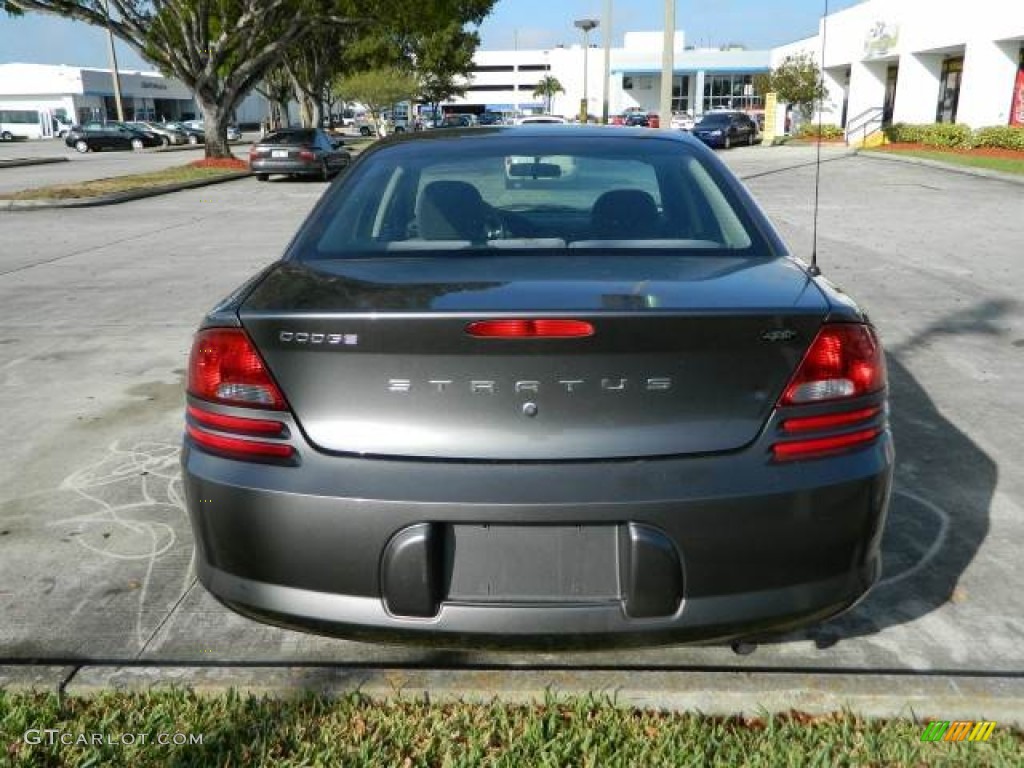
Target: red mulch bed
[(1009, 154), (230, 163)]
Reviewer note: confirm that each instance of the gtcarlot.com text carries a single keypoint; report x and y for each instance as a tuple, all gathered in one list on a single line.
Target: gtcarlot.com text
[(57, 736)]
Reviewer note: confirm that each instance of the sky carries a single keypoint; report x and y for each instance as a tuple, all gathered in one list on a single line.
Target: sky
[(756, 24)]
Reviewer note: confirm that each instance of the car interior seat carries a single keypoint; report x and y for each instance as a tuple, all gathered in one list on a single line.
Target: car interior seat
[(451, 210), (625, 214)]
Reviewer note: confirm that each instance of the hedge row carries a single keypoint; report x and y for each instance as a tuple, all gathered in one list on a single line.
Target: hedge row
[(956, 136), (828, 131)]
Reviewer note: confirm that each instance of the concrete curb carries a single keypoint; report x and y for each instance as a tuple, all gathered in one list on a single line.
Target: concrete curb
[(889, 695), (21, 162), (123, 197), (984, 173)]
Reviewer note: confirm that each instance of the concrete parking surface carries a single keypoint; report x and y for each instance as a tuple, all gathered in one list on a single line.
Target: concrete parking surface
[(97, 308)]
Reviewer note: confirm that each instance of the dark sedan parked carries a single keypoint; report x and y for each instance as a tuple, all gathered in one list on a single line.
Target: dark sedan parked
[(605, 406), (298, 152), (192, 135), (726, 129), (96, 136)]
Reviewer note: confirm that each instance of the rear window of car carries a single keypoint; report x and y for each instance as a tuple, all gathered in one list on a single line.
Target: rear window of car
[(289, 137), (536, 193)]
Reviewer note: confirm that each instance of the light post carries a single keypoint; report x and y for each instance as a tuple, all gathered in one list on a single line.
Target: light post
[(605, 83), (113, 67), (586, 25)]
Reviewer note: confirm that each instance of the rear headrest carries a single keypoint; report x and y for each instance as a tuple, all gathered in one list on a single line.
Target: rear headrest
[(451, 210), (625, 214)]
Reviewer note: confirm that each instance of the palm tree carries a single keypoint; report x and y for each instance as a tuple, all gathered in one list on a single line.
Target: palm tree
[(547, 88)]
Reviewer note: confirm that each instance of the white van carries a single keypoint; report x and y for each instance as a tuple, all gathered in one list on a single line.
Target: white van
[(32, 124)]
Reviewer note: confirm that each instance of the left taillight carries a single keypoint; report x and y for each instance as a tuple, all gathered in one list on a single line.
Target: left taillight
[(225, 369)]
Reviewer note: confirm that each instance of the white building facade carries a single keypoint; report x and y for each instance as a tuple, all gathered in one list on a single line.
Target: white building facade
[(505, 81), (80, 93), (920, 61)]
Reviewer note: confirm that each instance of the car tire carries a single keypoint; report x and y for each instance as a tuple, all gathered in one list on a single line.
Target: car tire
[(82, 146), (192, 140), (137, 144), (164, 141), (262, 176), (6, 136), (399, 129), (325, 170), (364, 131), (727, 143), (750, 139)]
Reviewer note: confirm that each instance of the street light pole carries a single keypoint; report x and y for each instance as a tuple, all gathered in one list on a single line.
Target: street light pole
[(668, 64), (606, 87), (586, 25), (113, 69)]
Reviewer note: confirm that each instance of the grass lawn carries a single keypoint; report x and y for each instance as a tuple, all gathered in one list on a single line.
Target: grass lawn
[(237, 730), (100, 187), (1005, 164)]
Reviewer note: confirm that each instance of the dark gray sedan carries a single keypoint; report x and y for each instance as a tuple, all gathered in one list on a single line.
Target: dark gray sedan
[(298, 152), (602, 406)]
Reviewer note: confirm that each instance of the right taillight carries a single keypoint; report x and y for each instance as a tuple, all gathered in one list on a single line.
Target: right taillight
[(843, 363), (845, 360)]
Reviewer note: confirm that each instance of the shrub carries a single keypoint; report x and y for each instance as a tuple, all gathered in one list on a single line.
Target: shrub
[(949, 135), (901, 133), (828, 131), (1000, 136)]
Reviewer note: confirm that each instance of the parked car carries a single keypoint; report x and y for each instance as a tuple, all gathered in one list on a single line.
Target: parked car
[(458, 121), (298, 152), (540, 120), (95, 136), (168, 136), (192, 134), (609, 409), (491, 118), (682, 122), (726, 129)]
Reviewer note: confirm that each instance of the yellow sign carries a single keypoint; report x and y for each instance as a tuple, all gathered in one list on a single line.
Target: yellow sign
[(771, 108)]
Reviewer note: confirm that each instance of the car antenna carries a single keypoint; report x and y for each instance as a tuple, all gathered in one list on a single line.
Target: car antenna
[(815, 271)]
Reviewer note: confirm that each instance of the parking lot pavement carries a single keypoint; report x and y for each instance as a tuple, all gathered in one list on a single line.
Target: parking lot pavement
[(83, 167), (98, 308)]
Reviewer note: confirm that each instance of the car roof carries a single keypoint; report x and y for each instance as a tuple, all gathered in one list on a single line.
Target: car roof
[(547, 131)]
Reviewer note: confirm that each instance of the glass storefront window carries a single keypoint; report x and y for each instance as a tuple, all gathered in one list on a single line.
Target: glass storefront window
[(734, 91), (949, 90), (681, 93)]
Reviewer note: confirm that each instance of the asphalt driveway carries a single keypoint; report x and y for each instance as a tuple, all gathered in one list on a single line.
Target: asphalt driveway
[(97, 308)]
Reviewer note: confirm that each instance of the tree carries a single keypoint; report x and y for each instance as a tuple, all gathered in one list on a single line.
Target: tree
[(797, 80), (276, 87), (547, 88), (378, 89), (444, 59), (220, 49)]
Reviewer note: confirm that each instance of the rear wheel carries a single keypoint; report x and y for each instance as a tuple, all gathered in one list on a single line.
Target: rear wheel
[(164, 141), (262, 176), (82, 146), (137, 144), (6, 136), (364, 131), (727, 142), (325, 170), (750, 139), (192, 139)]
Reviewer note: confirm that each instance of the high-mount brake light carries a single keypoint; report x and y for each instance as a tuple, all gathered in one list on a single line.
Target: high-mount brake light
[(225, 367), (530, 329), (845, 360)]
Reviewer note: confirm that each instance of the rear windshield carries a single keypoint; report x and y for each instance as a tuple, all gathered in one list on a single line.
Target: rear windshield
[(289, 137), (536, 193), (720, 118)]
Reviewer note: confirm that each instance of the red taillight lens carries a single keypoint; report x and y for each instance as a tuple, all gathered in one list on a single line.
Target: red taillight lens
[(830, 420), (236, 446), (259, 427), (809, 449), (845, 360), (530, 329), (224, 367), (306, 156), (253, 153)]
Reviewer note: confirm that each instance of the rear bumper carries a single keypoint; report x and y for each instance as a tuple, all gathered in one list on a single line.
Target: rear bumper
[(286, 166), (757, 548)]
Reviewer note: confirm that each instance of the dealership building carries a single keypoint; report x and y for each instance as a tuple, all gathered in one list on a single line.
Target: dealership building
[(80, 94), (885, 61), (906, 61)]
